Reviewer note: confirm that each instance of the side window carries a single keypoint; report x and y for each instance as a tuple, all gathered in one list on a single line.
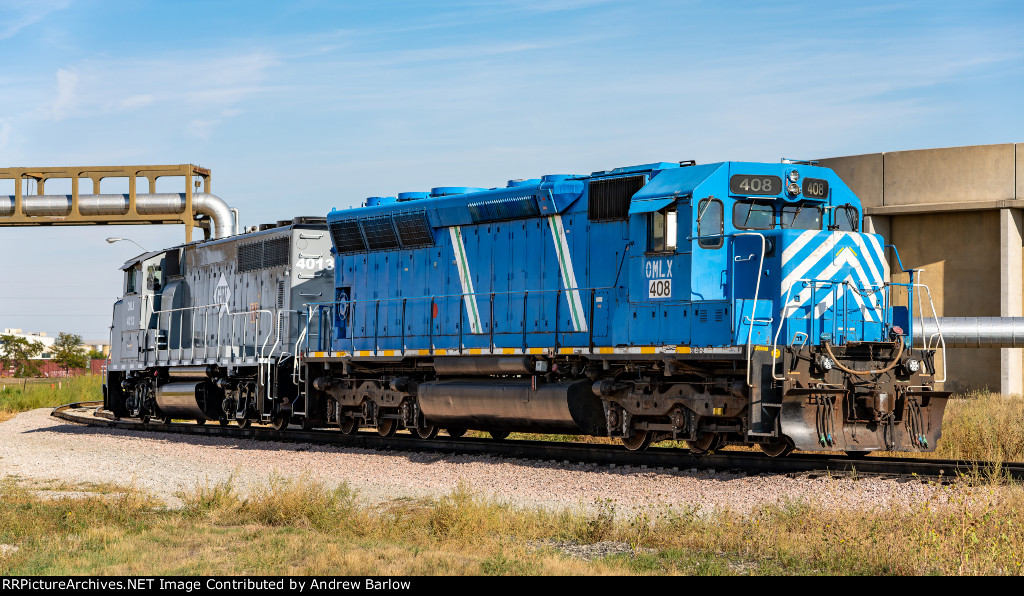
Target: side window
[(753, 215), (710, 223), (661, 230), (801, 217), (846, 219), (130, 281), (153, 278)]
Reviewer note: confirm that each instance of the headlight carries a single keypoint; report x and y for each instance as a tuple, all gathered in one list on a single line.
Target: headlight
[(793, 189), (794, 176), (825, 363), (913, 365)]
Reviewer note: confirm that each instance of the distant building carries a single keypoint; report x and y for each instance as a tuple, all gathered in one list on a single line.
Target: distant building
[(40, 337), (99, 345)]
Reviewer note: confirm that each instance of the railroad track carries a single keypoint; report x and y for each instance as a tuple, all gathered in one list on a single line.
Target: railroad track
[(89, 413)]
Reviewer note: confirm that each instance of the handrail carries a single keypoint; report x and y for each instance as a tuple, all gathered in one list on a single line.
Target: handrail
[(938, 326), (815, 285), (757, 291), (320, 308), (260, 349)]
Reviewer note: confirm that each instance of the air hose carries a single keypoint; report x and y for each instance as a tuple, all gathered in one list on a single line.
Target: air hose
[(828, 348)]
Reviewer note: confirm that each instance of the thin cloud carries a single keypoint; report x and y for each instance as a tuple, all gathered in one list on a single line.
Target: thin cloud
[(95, 88), (19, 14), (67, 82)]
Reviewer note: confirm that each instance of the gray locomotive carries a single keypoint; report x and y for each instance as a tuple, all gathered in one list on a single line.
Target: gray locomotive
[(208, 330)]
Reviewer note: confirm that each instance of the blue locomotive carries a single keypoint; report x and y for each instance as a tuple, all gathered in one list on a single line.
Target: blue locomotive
[(726, 303)]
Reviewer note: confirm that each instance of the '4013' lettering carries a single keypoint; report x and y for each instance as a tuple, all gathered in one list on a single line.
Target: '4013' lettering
[(315, 264)]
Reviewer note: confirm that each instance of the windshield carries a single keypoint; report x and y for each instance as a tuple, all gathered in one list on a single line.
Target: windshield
[(801, 217), (753, 215), (846, 219)]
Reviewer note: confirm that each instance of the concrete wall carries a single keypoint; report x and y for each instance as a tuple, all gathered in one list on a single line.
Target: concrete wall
[(961, 270), (955, 213)]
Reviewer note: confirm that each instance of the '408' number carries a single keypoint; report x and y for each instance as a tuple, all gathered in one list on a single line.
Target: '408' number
[(659, 288), (756, 184)]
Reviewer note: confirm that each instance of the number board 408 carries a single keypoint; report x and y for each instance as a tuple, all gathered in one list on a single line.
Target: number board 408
[(659, 288)]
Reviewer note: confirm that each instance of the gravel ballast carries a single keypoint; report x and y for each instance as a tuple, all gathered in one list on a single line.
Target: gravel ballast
[(36, 446)]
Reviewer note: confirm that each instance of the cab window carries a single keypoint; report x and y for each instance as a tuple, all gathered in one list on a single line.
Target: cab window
[(710, 224), (154, 276), (661, 230), (801, 217), (131, 281), (753, 215), (846, 219)]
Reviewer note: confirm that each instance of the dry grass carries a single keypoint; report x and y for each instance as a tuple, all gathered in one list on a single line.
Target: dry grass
[(304, 527), (983, 426), (16, 396)]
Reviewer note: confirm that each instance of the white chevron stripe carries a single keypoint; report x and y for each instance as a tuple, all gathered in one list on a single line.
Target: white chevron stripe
[(844, 258), (880, 251), (826, 303), (798, 245), (876, 277), (579, 319), (468, 295), (800, 271)]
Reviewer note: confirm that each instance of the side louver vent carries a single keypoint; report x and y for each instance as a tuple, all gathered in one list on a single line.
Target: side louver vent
[(275, 252), (502, 209), (381, 232), (346, 236), (609, 199), (263, 254), (250, 256), (413, 229)]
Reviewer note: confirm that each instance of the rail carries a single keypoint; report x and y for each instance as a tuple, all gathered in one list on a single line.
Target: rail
[(668, 458)]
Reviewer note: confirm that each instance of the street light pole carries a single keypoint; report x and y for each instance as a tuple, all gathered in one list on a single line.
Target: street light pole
[(113, 240)]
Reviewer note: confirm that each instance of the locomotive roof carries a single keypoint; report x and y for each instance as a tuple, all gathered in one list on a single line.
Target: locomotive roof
[(317, 223), (449, 206)]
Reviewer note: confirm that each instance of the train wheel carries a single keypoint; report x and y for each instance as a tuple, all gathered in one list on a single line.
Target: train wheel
[(387, 427), (244, 422), (280, 422), (455, 433), (702, 445), (640, 440), (200, 421), (223, 421), (144, 419), (427, 432), (499, 435), (349, 426), (857, 454), (780, 449), (166, 419)]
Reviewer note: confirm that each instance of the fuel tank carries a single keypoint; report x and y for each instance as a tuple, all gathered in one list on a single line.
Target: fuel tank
[(191, 400), (513, 405)]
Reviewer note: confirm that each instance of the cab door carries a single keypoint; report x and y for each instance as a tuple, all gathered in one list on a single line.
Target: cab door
[(660, 284), (711, 318)]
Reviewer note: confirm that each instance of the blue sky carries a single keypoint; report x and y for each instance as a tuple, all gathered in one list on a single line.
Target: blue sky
[(303, 106)]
